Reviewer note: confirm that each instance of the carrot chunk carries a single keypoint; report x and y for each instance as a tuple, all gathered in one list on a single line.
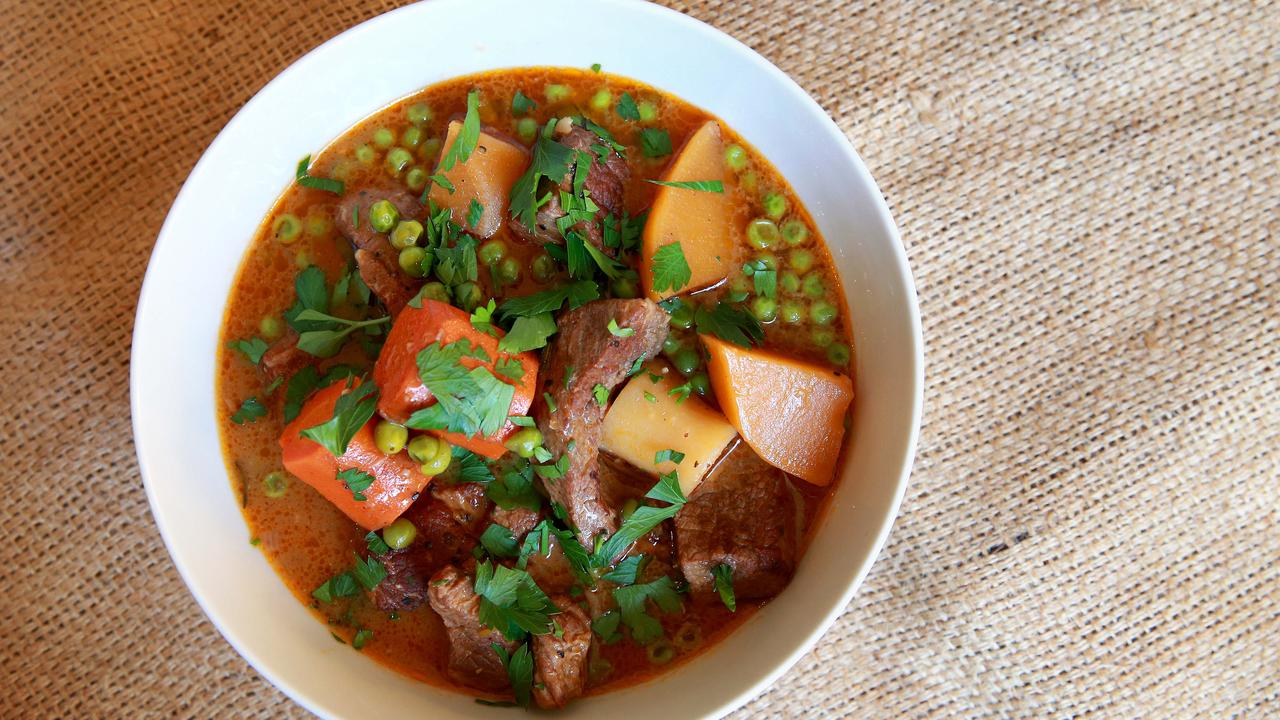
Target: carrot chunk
[(791, 413), (401, 387), (485, 178), (396, 480)]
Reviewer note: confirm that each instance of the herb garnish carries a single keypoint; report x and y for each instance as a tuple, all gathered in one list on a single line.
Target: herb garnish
[(528, 333), (616, 331), (499, 541), (522, 104), (631, 602), (376, 544), (362, 638), (644, 519), (550, 160), (250, 410), (368, 572), (576, 293), (467, 401), (519, 667), (357, 481), (723, 575), (729, 323), (326, 184), (627, 108), (482, 318), (328, 341), (474, 212), (764, 279), (601, 394), (252, 349), (662, 456), (655, 142), (713, 186), (463, 145), (350, 413), (511, 602), (670, 269)]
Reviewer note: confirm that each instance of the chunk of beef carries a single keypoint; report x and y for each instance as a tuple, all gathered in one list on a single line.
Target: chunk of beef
[(283, 358), (597, 357), (742, 515), (441, 540), (604, 184), (550, 568), (519, 520), (560, 663), (377, 259), (466, 502), (472, 660), (401, 589)]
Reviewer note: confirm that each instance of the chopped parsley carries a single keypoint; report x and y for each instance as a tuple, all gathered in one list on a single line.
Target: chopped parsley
[(730, 324), (368, 572), (522, 104), (650, 397), (350, 413), (577, 294), (723, 575), (362, 638), (250, 410), (499, 541), (376, 544), (551, 160), (510, 367), (339, 586), (513, 488), (595, 67), (713, 186), (553, 471), (627, 108), (307, 380), (606, 626), (309, 285), (474, 212), (528, 333), (468, 135), (470, 467), (764, 279), (655, 142), (326, 184), (681, 392), (252, 349), (511, 602), (519, 666), (328, 341), (644, 519), (627, 570), (601, 394), (357, 481), (551, 403), (616, 331), (468, 401), (632, 601), (670, 269), (674, 456), (482, 318)]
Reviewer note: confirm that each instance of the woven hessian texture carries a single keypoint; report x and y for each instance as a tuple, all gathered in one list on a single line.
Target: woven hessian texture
[(1090, 201)]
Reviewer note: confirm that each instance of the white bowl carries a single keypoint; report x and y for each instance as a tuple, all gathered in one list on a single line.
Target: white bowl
[(355, 74)]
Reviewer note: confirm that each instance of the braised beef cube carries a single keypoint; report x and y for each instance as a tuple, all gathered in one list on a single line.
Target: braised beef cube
[(283, 358), (519, 520), (587, 354), (550, 569), (466, 502), (402, 588), (378, 261), (441, 540), (742, 515), (472, 659), (560, 663)]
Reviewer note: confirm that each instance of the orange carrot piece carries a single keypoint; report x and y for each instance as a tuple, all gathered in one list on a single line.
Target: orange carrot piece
[(396, 480), (790, 412), (402, 391)]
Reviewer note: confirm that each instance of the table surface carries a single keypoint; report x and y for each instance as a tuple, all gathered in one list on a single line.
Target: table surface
[(1090, 202)]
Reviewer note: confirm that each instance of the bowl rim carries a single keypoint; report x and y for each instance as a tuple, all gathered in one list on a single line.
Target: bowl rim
[(836, 138)]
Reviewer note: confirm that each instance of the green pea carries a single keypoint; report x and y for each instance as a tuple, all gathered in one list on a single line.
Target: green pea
[(624, 287), (398, 159), (688, 637), (436, 291), (383, 215), (524, 442), (383, 138), (509, 271), (416, 178), (672, 344), (762, 233), (822, 313), (411, 137), (544, 268), (286, 228), (492, 252), (275, 484), (419, 113), (748, 180), (795, 232), (813, 286), (601, 99), (431, 452), (366, 155), (682, 316), (342, 170), (406, 234), (629, 507), (765, 309), (468, 295), (399, 534), (791, 312), (270, 327), (317, 225), (648, 111), (410, 260), (390, 437), (526, 129), (790, 282), (686, 361), (660, 652), (838, 354), (430, 148), (775, 205), (557, 92), (801, 260), (769, 260), (700, 383), (823, 337), (735, 156)]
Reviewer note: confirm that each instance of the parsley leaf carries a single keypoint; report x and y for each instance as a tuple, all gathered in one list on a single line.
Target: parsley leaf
[(766, 283), (723, 575), (350, 413), (577, 294), (662, 456), (326, 184), (713, 186), (250, 410), (616, 331), (305, 381), (631, 603), (511, 368), (655, 142), (514, 488), (362, 638), (511, 602), (251, 348), (468, 135), (368, 572), (467, 401), (601, 394), (519, 666), (627, 108), (730, 324), (376, 544), (326, 342), (470, 467), (528, 333), (550, 160), (357, 481), (474, 212), (670, 269), (644, 519), (606, 626), (498, 541), (627, 570), (338, 586), (482, 319), (312, 295), (522, 104), (681, 392)]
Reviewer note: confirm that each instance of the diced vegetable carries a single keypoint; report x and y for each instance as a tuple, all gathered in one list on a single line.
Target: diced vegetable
[(701, 222), (396, 372), (485, 177), (790, 412), (646, 419), (396, 480)]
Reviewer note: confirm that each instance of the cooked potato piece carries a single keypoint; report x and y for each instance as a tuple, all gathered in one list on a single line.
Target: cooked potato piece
[(645, 419), (486, 177), (790, 412), (700, 221)]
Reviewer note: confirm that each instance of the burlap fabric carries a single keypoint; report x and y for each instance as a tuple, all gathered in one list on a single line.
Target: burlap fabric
[(1090, 200)]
